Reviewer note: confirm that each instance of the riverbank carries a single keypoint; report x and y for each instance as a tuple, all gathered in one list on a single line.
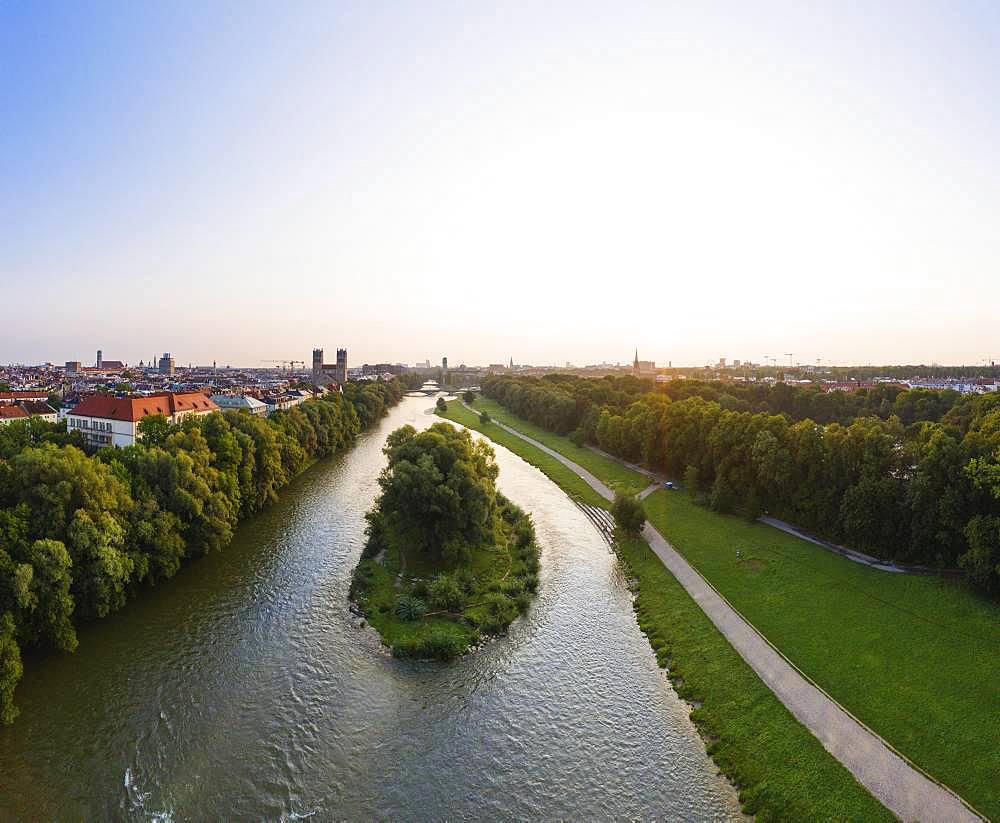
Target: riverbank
[(781, 771), (126, 519), (898, 651)]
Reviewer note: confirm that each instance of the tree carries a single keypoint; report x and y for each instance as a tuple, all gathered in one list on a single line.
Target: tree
[(441, 406), (10, 668), (438, 491), (154, 430), (469, 397), (484, 418), (52, 605), (628, 513)]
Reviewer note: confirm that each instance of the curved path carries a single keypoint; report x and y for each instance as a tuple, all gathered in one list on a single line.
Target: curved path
[(899, 785)]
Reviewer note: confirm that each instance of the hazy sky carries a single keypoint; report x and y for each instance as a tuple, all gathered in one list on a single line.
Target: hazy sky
[(545, 181)]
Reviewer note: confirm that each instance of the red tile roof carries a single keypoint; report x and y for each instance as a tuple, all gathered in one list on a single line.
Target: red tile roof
[(11, 396), (12, 413), (132, 409)]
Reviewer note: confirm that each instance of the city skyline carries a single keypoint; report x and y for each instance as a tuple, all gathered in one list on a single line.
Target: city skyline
[(551, 184)]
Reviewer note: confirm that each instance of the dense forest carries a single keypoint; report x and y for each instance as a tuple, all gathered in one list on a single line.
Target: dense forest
[(81, 533), (908, 475)]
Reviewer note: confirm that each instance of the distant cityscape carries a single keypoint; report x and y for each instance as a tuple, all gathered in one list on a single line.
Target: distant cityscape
[(105, 401)]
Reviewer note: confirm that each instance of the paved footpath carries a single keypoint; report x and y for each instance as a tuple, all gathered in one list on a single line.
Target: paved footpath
[(898, 785)]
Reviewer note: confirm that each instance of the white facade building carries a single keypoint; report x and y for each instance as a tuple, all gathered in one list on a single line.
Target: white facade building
[(104, 420)]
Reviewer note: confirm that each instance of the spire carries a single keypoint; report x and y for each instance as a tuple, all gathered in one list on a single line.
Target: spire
[(636, 361)]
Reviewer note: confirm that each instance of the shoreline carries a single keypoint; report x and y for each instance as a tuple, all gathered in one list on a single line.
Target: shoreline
[(747, 731)]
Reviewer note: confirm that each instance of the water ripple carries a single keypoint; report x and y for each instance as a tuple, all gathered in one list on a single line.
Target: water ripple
[(243, 689)]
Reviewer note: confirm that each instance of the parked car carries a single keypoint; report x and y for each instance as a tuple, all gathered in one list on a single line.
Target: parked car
[(668, 484)]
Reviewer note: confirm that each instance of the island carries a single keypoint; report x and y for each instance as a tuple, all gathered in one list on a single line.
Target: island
[(449, 561)]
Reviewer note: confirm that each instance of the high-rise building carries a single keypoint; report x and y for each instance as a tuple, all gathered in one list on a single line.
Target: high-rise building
[(166, 364), (100, 358)]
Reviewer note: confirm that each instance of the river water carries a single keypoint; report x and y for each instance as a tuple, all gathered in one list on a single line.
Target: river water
[(242, 688)]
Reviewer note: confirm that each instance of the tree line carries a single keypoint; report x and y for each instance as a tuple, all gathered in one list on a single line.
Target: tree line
[(910, 476), (81, 533)]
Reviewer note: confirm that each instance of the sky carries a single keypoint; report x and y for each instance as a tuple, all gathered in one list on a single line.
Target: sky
[(548, 182)]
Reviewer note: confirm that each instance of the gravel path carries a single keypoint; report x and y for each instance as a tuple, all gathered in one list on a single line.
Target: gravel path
[(898, 785)]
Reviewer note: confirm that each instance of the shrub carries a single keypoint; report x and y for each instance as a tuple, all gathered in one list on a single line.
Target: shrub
[(466, 579), (501, 607), (445, 592), (628, 513), (469, 397), (441, 406), (692, 479), (441, 644), (484, 418), (524, 533), (407, 607)]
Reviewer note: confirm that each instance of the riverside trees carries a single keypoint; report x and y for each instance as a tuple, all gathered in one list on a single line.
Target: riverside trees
[(912, 476), (80, 534)]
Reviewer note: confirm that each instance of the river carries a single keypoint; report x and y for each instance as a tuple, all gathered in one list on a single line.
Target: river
[(243, 688)]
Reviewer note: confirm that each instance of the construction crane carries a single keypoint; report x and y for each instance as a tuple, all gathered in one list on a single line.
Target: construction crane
[(287, 364)]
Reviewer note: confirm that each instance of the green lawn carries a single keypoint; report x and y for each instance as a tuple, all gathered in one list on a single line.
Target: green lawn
[(783, 772), (916, 658), (563, 477), (611, 472)]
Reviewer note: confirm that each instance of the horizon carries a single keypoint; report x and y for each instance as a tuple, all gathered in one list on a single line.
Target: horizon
[(549, 184)]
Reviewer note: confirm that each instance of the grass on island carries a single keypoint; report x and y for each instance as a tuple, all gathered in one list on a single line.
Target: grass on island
[(562, 476), (781, 770), (915, 658), (614, 474), (495, 585)]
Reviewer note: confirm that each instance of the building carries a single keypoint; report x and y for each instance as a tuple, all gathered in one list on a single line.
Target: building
[(279, 402), (74, 367), (11, 398), (100, 358), (444, 364), (642, 366), (323, 373), (167, 365), (10, 414), (106, 420), (39, 409), (241, 402)]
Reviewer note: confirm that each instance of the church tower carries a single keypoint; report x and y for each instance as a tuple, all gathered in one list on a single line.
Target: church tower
[(317, 368)]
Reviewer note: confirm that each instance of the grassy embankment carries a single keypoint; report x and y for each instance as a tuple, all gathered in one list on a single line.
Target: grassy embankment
[(782, 771), (614, 474), (915, 658), (495, 584), (565, 478)]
